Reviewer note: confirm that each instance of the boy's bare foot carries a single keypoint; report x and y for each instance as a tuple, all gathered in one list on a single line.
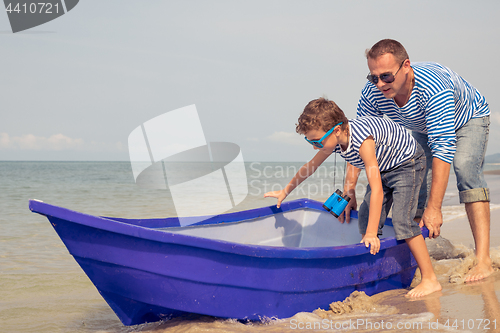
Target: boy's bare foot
[(425, 287), (479, 272)]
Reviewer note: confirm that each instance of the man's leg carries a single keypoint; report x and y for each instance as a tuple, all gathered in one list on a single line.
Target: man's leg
[(468, 162), (479, 220)]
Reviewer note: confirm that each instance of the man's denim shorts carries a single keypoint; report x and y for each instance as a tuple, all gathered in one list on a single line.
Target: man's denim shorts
[(401, 186), (468, 163)]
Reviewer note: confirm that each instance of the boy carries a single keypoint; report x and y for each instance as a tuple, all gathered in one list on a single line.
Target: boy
[(395, 167)]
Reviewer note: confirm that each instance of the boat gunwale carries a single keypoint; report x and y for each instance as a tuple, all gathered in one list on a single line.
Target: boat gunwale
[(120, 226)]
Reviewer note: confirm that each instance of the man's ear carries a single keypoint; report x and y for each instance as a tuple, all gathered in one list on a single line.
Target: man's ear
[(407, 65)]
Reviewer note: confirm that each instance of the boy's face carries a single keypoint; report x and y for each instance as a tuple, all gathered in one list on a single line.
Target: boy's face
[(329, 142)]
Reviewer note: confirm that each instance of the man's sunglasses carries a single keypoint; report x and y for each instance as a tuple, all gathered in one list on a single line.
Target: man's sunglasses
[(385, 77), (317, 143)]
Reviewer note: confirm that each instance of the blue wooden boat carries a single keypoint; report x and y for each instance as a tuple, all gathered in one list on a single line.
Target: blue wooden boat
[(254, 264)]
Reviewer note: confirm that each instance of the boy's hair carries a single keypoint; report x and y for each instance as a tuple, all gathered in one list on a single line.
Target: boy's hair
[(321, 114), (387, 46)]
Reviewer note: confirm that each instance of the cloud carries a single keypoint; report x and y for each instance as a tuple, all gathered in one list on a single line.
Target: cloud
[(286, 138), (32, 142)]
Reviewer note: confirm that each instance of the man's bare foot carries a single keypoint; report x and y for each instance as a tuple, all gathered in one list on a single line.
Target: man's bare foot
[(479, 272), (425, 287)]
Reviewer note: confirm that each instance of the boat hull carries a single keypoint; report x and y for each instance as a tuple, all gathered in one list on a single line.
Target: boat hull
[(146, 274)]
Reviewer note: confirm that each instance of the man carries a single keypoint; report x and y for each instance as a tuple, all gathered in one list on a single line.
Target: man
[(450, 119)]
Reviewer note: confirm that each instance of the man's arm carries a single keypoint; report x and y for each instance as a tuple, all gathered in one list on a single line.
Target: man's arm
[(440, 122), (432, 216)]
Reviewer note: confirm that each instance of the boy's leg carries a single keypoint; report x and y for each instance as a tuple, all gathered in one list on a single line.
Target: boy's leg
[(429, 282), (405, 182), (365, 206)]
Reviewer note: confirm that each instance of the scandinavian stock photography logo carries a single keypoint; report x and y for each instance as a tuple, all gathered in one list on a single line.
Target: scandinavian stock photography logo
[(204, 179), (25, 15)]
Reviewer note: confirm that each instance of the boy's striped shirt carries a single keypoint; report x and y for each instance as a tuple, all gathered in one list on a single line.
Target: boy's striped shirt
[(440, 103), (393, 144)]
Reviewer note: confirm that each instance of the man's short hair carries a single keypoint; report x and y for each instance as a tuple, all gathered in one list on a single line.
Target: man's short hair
[(387, 46)]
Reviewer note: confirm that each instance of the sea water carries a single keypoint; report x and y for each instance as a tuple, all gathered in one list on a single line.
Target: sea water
[(42, 288)]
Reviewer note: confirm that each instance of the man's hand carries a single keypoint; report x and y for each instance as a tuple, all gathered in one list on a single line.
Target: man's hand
[(371, 241), (346, 214), (280, 195), (432, 219)]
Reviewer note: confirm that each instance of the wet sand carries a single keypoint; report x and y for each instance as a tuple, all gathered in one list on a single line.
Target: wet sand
[(465, 304), (471, 306)]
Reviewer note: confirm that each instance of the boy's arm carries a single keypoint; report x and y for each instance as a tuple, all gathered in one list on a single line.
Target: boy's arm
[(351, 179), (367, 153), (304, 172)]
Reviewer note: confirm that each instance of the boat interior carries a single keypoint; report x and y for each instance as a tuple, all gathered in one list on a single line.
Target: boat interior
[(299, 228)]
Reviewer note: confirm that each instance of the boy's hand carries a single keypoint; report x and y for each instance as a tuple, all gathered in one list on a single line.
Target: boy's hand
[(280, 195), (371, 241), (346, 214)]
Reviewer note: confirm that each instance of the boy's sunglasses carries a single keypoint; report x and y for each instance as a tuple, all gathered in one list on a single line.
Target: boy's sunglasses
[(385, 77), (317, 143)]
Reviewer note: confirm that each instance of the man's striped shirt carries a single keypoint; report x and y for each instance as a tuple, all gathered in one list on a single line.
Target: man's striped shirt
[(394, 145), (440, 103)]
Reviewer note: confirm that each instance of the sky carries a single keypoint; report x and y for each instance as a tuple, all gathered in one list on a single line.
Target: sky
[(76, 87)]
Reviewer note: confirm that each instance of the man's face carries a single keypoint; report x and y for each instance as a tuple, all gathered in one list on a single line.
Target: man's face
[(388, 64)]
